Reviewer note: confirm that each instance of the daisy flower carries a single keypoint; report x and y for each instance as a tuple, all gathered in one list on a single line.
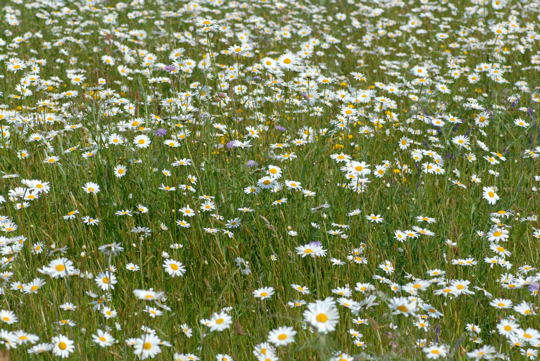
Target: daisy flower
[(282, 336), (62, 346), (263, 293), (322, 315)]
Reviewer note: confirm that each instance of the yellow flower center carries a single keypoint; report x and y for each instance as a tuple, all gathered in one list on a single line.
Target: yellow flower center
[(321, 317), (60, 267), (403, 308)]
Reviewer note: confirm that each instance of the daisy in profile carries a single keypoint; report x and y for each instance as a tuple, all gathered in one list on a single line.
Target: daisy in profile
[(222, 357), (483, 353), (263, 293), (293, 184), (8, 317), (501, 303), (40, 348), (148, 295), (302, 289), (24, 337), (530, 335), (91, 187), (219, 321), (313, 249), (103, 338), (62, 346), (341, 356), (153, 312), (525, 309), (132, 267), (60, 267), (185, 357), (282, 336), (402, 305), (507, 327), (436, 351), (374, 218), (322, 315)]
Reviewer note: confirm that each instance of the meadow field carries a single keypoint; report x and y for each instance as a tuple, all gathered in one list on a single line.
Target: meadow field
[(235, 180)]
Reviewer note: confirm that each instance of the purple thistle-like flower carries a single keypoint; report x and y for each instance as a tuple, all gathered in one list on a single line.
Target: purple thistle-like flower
[(160, 132), (231, 144), (170, 68), (251, 163), (280, 128)]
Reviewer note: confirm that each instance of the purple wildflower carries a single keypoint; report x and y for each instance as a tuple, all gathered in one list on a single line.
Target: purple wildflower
[(160, 132)]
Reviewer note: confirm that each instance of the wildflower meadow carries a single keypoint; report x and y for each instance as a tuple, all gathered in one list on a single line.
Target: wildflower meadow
[(235, 180)]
